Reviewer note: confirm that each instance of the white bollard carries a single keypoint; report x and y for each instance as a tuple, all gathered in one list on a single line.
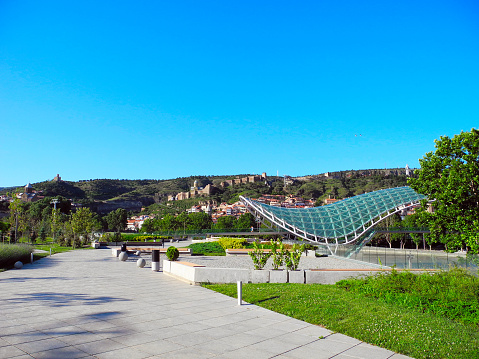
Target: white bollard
[(240, 292), (31, 258), (50, 252)]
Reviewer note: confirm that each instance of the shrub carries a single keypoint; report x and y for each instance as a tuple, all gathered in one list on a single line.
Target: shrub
[(172, 253), (10, 253), (292, 258), (277, 256), (452, 294), (207, 248), (142, 238), (236, 243), (259, 256)]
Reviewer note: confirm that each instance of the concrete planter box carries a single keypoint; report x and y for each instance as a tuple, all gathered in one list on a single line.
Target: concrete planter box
[(220, 275), (278, 276), (259, 276), (296, 276), (95, 245), (166, 266)]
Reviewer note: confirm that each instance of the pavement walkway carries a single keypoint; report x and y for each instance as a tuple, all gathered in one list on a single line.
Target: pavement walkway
[(87, 304)]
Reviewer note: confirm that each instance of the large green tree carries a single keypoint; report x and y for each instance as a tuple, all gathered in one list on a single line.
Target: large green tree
[(245, 221), (83, 223), (225, 222), (117, 220), (449, 176)]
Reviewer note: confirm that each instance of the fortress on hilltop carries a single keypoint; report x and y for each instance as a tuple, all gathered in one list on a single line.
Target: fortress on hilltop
[(209, 189)]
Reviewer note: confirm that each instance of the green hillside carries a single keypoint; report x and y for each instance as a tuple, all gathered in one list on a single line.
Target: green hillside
[(154, 193)]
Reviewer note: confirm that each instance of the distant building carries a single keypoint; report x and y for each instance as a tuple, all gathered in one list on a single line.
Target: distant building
[(330, 200), (29, 194), (248, 179), (57, 178)]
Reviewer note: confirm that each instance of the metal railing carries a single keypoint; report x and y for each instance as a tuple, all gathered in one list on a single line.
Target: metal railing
[(407, 258)]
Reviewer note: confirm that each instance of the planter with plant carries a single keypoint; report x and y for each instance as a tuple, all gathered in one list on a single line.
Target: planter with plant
[(259, 256), (292, 258), (172, 254), (277, 255)]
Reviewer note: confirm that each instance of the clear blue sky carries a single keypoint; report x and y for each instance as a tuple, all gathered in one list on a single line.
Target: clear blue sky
[(166, 89)]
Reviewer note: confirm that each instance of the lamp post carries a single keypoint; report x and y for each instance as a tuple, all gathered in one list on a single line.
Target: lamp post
[(54, 202)]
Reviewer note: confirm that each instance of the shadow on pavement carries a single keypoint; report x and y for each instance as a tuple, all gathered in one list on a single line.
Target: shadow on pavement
[(64, 299)]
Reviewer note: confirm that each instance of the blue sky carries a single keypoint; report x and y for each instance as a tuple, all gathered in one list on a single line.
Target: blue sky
[(166, 89)]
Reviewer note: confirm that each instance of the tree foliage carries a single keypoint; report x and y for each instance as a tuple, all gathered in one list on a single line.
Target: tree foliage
[(117, 220), (449, 176)]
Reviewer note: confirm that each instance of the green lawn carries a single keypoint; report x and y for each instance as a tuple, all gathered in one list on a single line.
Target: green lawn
[(373, 318), (10, 253)]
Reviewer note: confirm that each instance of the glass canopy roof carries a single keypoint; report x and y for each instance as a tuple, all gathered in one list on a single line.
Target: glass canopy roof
[(342, 218)]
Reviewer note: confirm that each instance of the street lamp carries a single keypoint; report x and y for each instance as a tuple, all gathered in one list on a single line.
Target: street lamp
[(54, 202)]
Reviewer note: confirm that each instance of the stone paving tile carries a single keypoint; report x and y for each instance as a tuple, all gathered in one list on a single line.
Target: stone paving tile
[(297, 339), (338, 337), (246, 352), (274, 346), (101, 307), (41, 345), (99, 346), (217, 347), (10, 352), (64, 330), (368, 351), (25, 337), (78, 338), (187, 353), (314, 331), (16, 329), (135, 339), (158, 347), (241, 340), (125, 353), (61, 353), (190, 339), (4, 343)]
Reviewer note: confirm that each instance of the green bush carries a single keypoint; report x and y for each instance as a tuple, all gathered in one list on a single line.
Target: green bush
[(259, 256), (11, 253), (207, 248), (452, 294), (142, 238), (235, 243), (172, 253)]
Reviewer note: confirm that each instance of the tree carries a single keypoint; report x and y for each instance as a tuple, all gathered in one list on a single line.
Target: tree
[(56, 222), (449, 176), (168, 223), (117, 220), (82, 223), (225, 222), (246, 221), (199, 220), (148, 226), (17, 219)]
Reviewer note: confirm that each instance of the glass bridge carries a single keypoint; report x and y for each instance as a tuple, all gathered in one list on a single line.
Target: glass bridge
[(347, 221)]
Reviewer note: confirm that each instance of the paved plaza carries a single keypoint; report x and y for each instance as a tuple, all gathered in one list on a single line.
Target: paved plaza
[(87, 304)]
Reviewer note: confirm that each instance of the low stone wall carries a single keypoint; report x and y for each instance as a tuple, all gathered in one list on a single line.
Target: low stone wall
[(197, 274), (115, 252)]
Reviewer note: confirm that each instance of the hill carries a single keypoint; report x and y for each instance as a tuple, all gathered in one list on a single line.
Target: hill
[(134, 194)]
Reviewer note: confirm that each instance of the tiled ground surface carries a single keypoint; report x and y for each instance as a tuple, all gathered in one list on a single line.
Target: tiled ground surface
[(87, 304)]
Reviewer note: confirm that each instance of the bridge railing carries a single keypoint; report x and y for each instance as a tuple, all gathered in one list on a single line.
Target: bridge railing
[(213, 231), (401, 229)]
